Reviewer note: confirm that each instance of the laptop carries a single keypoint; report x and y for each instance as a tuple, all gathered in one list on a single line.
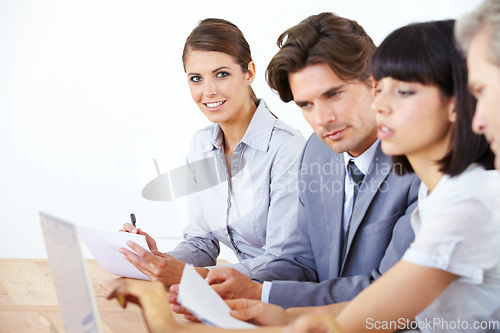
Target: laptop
[(69, 273)]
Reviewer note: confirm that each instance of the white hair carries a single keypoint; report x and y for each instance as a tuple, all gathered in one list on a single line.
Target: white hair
[(487, 15)]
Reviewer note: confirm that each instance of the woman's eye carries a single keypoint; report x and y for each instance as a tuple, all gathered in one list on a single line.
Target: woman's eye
[(195, 78), (406, 93), (222, 74)]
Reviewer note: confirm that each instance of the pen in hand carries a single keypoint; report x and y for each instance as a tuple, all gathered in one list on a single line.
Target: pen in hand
[(132, 219)]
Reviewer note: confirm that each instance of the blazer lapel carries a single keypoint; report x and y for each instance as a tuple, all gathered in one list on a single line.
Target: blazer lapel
[(333, 209), (380, 168)]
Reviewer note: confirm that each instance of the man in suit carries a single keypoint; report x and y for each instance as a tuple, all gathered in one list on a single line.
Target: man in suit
[(479, 35), (353, 220)]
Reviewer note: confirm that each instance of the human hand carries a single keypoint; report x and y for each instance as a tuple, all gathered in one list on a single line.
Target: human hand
[(176, 306), (155, 265), (150, 296), (128, 227), (257, 312), (319, 322), (229, 284)]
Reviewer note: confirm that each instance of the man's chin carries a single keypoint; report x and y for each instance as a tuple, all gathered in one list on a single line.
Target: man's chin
[(338, 146)]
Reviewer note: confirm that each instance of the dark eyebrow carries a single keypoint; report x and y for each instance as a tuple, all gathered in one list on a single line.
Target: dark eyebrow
[(218, 69), (214, 71), (335, 89)]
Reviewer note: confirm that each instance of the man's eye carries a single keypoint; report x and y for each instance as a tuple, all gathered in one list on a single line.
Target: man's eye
[(305, 106)]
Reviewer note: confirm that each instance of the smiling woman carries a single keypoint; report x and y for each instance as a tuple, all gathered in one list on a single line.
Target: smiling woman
[(221, 90), (242, 170)]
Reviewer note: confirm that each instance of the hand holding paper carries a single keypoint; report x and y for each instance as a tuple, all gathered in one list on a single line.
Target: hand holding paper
[(104, 246), (156, 265), (198, 297)]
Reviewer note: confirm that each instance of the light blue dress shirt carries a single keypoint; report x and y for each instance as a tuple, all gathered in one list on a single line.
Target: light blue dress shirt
[(363, 163), (251, 211)]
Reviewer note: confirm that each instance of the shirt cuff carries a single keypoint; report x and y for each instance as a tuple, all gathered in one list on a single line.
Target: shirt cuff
[(266, 290)]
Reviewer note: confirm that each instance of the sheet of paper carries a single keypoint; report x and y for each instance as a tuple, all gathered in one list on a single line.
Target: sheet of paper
[(104, 247), (198, 297)]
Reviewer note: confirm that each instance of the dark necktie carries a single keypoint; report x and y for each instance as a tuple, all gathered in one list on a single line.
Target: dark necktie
[(357, 177)]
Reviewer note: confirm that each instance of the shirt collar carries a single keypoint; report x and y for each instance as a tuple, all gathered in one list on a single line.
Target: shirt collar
[(364, 160), (258, 133)]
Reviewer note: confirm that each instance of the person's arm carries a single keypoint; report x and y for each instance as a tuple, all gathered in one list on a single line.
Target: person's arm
[(156, 265), (152, 299), (265, 314), (389, 304), (200, 247), (340, 289), (150, 296), (446, 248), (398, 296), (230, 283)]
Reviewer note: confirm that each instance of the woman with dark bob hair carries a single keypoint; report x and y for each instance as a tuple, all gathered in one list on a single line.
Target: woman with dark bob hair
[(242, 170), (449, 278)]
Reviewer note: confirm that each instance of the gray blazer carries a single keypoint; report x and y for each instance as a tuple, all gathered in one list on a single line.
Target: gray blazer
[(380, 231)]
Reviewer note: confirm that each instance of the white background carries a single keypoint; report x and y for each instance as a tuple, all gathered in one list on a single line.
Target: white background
[(82, 83)]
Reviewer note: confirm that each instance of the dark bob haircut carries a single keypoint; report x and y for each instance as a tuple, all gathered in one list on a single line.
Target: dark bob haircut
[(427, 53)]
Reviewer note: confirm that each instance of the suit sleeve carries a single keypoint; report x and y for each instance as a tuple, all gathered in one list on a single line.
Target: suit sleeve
[(292, 293)]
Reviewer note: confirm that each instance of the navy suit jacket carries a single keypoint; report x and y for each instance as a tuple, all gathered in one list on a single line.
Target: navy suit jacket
[(380, 230)]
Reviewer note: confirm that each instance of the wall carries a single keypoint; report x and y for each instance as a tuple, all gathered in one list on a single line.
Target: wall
[(82, 83)]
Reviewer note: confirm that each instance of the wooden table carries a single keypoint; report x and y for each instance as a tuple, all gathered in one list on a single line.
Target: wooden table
[(28, 301)]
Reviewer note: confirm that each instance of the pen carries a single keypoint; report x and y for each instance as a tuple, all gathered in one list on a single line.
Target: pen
[(132, 218)]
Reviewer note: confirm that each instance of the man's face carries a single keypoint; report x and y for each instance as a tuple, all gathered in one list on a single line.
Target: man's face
[(339, 112), (484, 83)]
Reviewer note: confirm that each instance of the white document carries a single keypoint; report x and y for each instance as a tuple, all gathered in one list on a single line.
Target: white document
[(202, 301), (104, 247)]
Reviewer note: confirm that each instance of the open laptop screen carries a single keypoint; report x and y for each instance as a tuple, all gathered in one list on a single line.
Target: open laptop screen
[(69, 274)]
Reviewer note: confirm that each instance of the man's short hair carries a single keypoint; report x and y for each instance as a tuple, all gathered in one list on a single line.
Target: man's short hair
[(487, 15), (326, 38)]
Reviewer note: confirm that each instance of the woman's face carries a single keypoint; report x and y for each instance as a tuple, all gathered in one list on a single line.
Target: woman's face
[(218, 85), (413, 119)]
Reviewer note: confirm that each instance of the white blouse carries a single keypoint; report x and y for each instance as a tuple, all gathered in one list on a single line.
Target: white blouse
[(252, 210), (457, 229)]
